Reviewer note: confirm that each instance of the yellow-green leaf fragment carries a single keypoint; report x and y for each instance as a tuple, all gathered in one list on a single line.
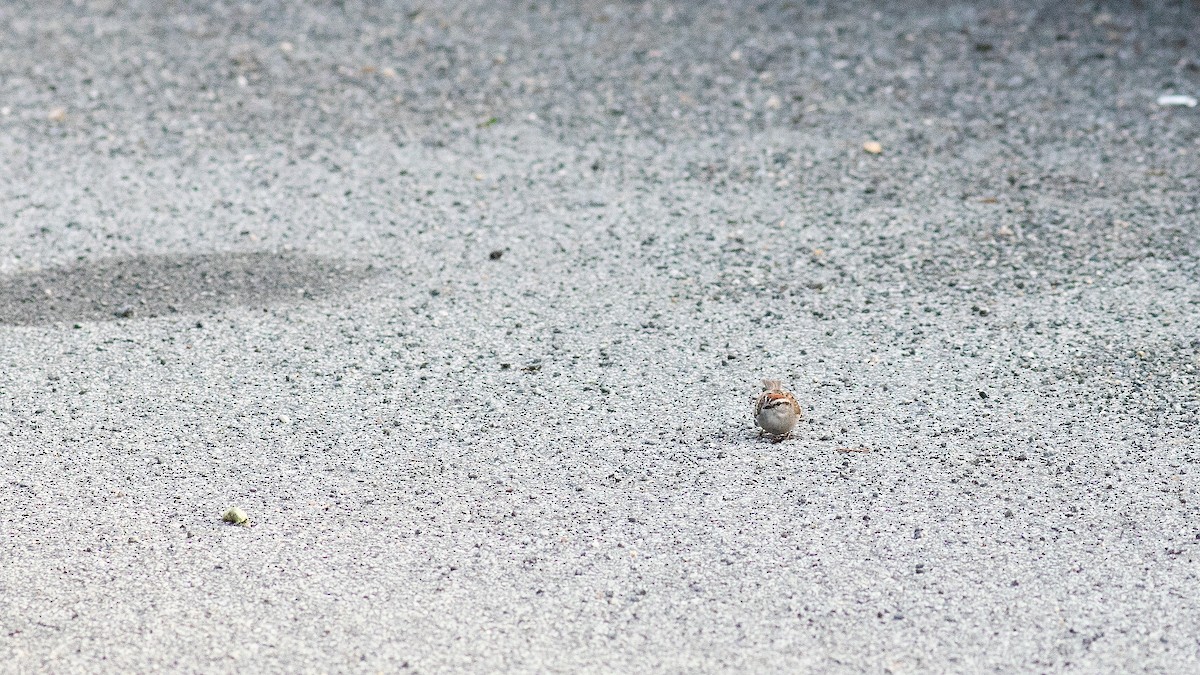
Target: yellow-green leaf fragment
[(236, 516)]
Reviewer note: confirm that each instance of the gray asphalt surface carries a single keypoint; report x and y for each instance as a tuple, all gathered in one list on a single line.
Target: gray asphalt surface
[(466, 304)]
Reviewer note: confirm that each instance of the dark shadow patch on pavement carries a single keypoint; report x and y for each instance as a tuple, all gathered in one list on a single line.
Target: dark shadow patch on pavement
[(161, 285)]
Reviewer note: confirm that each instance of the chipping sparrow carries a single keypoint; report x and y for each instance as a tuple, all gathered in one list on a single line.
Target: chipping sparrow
[(776, 411)]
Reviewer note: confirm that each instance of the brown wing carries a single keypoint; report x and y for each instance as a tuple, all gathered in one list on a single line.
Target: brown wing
[(759, 403), (795, 405)]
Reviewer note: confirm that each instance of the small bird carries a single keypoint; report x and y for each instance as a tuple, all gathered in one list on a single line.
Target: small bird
[(776, 411)]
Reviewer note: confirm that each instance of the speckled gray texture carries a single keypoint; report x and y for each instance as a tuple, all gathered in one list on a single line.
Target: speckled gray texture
[(465, 305)]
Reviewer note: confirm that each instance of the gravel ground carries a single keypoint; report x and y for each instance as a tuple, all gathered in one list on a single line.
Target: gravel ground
[(466, 304)]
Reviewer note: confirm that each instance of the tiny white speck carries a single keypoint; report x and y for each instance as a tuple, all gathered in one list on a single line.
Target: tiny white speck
[(1177, 99)]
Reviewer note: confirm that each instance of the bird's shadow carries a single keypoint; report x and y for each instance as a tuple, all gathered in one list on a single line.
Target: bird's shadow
[(161, 285)]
